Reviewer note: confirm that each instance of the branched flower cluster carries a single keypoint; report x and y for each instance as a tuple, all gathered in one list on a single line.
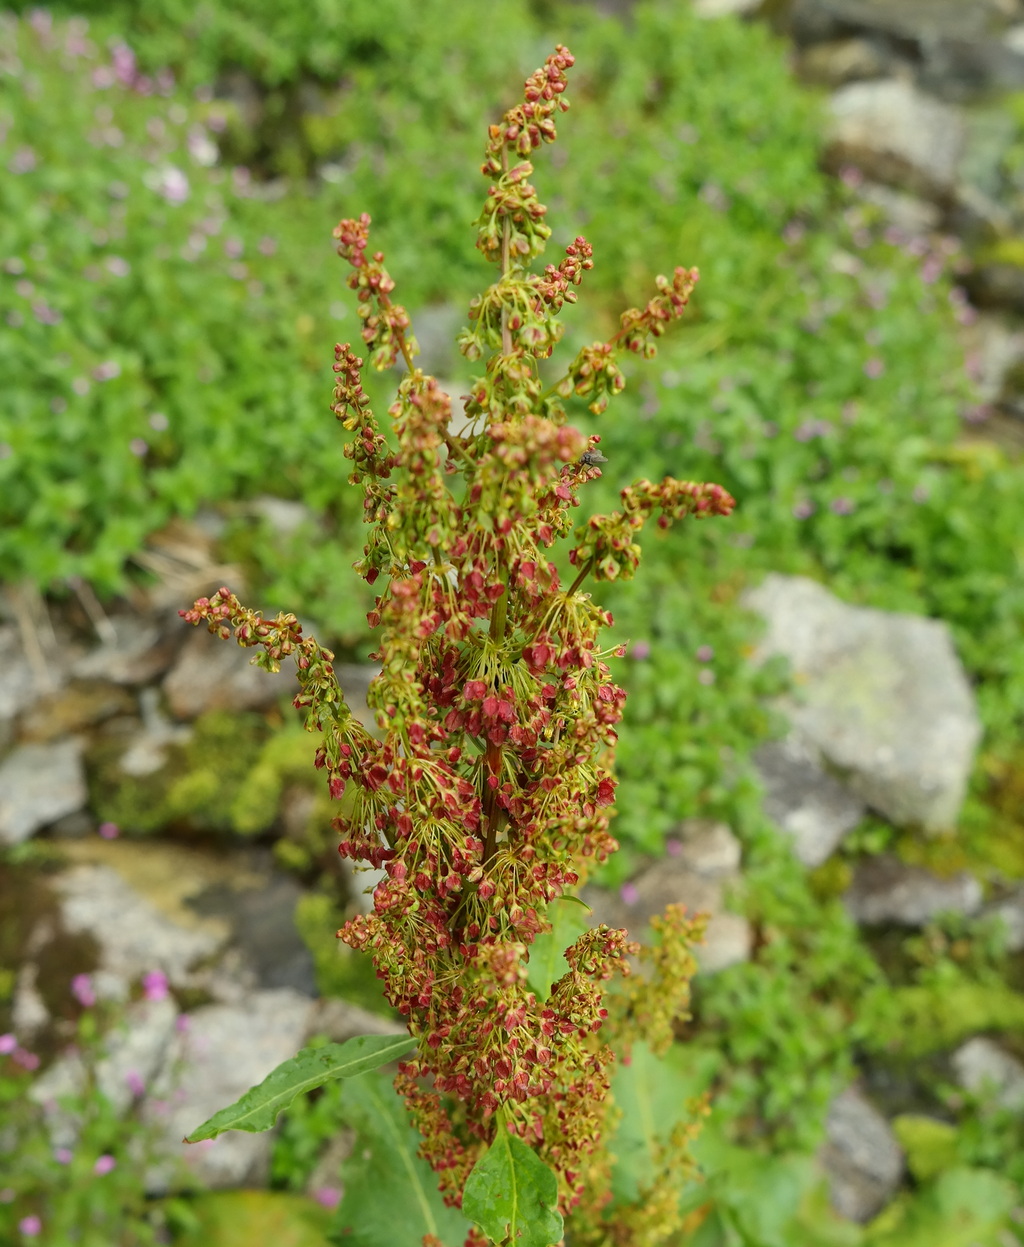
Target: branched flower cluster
[(485, 792)]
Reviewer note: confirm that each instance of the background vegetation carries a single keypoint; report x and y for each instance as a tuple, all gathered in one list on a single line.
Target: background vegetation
[(168, 304)]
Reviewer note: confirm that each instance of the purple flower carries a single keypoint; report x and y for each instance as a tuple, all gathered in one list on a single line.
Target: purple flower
[(123, 59), (629, 893), (172, 184), (328, 1196), (874, 367), (673, 846), (138, 446), (118, 266), (63, 1155), (803, 510), (7, 1044), (640, 651), (103, 77), (135, 1083), (705, 653), (851, 176), (842, 506), (107, 371), (233, 247), (104, 1164), (201, 147), (109, 831), (23, 161), (182, 1023), (82, 990), (30, 1226), (154, 985), (24, 1058), (267, 245), (45, 314)]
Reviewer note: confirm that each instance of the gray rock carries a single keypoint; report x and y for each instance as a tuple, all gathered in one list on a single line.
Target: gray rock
[(133, 935), (725, 8), (913, 215), (282, 515), (226, 1049), (18, 682), (897, 135), (883, 699), (707, 848), (136, 652), (38, 785), (1010, 911), (696, 876), (147, 753), (955, 50), (339, 1020), (984, 1069), (211, 674), (841, 61), (861, 1157), (812, 807), (884, 889)]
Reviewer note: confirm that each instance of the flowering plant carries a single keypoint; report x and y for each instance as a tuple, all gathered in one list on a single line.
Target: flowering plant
[(486, 793)]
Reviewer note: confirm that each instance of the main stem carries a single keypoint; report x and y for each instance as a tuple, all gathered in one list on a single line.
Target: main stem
[(499, 613)]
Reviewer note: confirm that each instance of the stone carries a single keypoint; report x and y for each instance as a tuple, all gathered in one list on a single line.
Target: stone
[(19, 685), (340, 1020), (807, 803), (954, 50), (840, 61), (861, 1157), (283, 515), (211, 674), (133, 934), (725, 8), (226, 1049), (706, 847), (909, 213), (897, 135), (136, 653), (1010, 911), (882, 699), (74, 708), (996, 285), (885, 889), (984, 1069), (38, 785), (703, 862), (147, 753)]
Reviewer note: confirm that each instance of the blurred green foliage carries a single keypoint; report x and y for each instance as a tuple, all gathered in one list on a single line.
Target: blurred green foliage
[(166, 323)]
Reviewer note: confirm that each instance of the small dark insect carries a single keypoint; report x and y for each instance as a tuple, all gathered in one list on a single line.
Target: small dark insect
[(591, 458)]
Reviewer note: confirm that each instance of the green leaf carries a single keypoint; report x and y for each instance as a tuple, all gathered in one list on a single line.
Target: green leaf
[(653, 1095), (258, 1109), (547, 952), (511, 1194), (391, 1194), (962, 1207)]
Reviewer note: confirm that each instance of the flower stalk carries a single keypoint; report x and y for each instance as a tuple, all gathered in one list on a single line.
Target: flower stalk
[(486, 791)]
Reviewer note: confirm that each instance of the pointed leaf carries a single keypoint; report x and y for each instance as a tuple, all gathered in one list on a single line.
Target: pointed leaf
[(547, 952), (258, 1109), (511, 1194), (391, 1194)]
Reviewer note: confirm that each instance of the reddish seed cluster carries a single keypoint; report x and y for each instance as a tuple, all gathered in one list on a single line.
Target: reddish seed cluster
[(484, 793)]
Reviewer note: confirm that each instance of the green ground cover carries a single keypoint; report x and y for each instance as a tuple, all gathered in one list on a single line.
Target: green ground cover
[(166, 325)]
